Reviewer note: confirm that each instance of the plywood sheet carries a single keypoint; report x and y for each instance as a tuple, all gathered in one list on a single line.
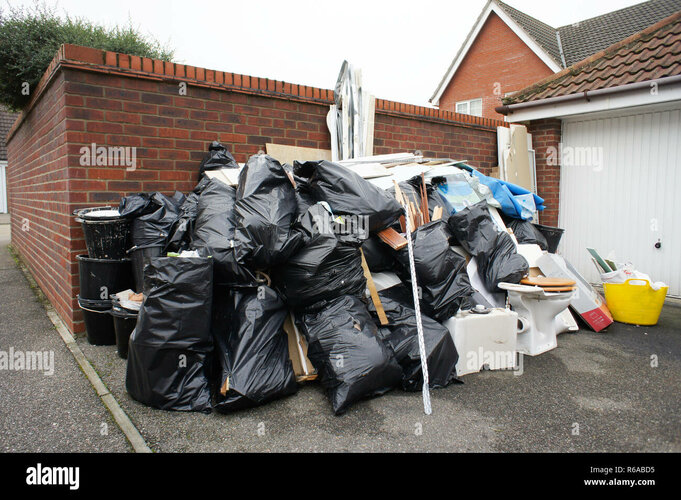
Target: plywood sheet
[(518, 169), (289, 154)]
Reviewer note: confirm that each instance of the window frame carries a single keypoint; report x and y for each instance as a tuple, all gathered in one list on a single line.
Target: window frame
[(468, 103)]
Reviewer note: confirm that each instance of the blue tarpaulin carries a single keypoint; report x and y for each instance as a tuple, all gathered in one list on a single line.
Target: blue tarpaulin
[(515, 201)]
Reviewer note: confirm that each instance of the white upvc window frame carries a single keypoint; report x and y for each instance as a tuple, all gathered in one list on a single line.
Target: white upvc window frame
[(468, 103)]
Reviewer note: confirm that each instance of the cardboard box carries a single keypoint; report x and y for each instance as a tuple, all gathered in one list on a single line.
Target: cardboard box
[(297, 351), (587, 302)]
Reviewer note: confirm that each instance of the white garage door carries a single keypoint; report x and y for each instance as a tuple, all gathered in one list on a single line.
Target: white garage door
[(620, 191)]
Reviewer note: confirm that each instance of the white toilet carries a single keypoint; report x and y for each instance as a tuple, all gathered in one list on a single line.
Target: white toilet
[(484, 338), (539, 311)]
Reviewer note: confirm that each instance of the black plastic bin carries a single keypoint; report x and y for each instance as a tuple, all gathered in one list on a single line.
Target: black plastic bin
[(139, 257), (106, 236), (552, 235), (124, 321), (100, 278), (98, 321)]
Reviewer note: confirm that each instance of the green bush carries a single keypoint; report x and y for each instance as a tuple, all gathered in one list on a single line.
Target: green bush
[(30, 38)]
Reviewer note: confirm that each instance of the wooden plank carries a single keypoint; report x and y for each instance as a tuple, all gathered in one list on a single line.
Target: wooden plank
[(437, 213), (374, 293), (424, 198), (392, 238), (225, 387)]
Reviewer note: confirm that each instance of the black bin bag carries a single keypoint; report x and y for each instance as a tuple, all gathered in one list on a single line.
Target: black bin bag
[(327, 266), (344, 346), (218, 157), (348, 193), (440, 272), (181, 233), (493, 249), (254, 357), (401, 335), (265, 211), (304, 196), (169, 358), (411, 190), (378, 255), (526, 232), (152, 223), (214, 233)]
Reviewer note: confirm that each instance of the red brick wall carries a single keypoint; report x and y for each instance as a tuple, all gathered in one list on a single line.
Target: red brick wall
[(546, 134), (395, 134), (498, 60), (38, 195), (110, 103)]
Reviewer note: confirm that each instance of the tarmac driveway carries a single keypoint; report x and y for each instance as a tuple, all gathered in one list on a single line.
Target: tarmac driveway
[(596, 392)]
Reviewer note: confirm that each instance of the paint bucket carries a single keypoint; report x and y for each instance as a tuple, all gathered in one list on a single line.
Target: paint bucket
[(100, 278), (125, 321), (107, 234), (98, 321)]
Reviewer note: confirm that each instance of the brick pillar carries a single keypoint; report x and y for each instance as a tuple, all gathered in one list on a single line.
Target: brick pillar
[(547, 134)]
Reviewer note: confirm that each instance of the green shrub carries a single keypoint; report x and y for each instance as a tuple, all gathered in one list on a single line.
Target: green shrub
[(30, 38)]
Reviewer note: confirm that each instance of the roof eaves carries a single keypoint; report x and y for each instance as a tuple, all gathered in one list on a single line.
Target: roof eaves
[(527, 94)]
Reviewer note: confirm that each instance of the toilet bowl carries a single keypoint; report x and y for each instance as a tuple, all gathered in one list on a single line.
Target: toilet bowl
[(484, 338), (539, 312)]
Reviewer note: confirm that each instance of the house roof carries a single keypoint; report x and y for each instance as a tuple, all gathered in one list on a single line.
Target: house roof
[(585, 38), (652, 54), (509, 16), (541, 32), (571, 43), (6, 121)]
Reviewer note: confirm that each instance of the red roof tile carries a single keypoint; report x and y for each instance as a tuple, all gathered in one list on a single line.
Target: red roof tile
[(651, 54)]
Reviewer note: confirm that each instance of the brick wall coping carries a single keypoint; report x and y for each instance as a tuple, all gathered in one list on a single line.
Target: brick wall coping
[(85, 58)]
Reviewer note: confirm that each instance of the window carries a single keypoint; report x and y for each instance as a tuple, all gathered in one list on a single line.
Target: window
[(472, 107)]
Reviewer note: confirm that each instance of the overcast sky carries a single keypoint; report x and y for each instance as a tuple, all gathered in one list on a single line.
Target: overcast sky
[(402, 46)]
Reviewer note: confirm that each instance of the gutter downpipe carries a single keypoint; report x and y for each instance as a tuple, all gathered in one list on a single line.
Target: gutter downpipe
[(587, 94)]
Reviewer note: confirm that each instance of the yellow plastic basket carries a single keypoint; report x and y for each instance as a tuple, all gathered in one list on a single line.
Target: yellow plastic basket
[(636, 304)]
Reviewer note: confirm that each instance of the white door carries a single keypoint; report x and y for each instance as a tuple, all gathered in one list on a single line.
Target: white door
[(620, 191), (3, 188)]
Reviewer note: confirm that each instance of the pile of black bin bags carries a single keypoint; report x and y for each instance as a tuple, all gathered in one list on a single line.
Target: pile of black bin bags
[(170, 350), (287, 239)]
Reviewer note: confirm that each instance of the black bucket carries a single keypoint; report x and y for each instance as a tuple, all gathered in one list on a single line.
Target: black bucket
[(552, 235), (98, 321), (139, 257), (106, 236), (100, 278), (125, 321)]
